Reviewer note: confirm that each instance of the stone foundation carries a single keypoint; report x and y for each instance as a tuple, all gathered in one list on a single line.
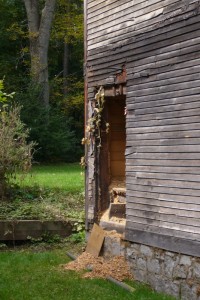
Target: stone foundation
[(172, 273)]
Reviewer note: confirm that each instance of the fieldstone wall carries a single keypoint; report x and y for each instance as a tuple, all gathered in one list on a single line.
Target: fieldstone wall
[(168, 272)]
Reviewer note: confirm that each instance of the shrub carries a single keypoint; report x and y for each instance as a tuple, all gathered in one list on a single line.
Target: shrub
[(15, 152)]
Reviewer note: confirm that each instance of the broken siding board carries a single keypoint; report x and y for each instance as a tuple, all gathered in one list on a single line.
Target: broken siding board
[(151, 35), (140, 23), (151, 42), (173, 47), (128, 37), (116, 16), (117, 7)]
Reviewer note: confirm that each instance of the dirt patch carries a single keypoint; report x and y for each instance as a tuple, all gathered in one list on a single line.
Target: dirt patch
[(115, 267)]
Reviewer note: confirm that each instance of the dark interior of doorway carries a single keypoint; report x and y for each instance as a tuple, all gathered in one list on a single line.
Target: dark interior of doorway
[(112, 162)]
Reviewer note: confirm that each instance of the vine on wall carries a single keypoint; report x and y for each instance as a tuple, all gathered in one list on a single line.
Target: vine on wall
[(95, 122)]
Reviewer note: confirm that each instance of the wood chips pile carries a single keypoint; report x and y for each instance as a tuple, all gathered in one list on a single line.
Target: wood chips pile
[(115, 267)]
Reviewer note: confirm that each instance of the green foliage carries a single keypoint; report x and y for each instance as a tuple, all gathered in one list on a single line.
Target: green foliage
[(54, 132), (52, 192), (78, 237), (58, 131), (15, 152), (45, 238)]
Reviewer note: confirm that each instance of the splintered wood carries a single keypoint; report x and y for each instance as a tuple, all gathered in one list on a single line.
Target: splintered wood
[(115, 267)]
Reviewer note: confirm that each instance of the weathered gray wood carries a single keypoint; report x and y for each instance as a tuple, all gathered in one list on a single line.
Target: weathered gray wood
[(163, 207), (178, 198), (181, 209), (165, 142), (165, 231), (21, 230), (170, 242), (163, 169), (167, 218), (129, 35), (164, 183), (164, 175), (160, 50), (176, 193)]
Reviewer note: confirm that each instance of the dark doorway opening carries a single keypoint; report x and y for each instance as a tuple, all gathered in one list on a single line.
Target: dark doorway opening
[(112, 164)]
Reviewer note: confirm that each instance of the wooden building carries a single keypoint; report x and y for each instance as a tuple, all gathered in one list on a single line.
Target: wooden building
[(144, 57)]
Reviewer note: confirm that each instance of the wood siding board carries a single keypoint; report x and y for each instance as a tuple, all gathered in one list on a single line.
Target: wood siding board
[(144, 192), (149, 38), (180, 229), (140, 24), (167, 170), (164, 207), (167, 217), (168, 242)]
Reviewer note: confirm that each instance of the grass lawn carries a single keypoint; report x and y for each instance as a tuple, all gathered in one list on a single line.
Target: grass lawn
[(26, 275), (49, 192), (66, 177)]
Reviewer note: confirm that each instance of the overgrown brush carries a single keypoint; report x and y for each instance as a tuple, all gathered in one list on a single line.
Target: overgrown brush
[(15, 152)]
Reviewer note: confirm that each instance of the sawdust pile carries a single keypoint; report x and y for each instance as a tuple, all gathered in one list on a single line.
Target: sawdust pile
[(115, 267)]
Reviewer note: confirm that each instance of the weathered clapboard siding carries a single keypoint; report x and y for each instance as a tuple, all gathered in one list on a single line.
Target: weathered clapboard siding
[(158, 42)]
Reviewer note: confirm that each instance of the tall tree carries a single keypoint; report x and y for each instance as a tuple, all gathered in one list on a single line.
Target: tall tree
[(39, 25)]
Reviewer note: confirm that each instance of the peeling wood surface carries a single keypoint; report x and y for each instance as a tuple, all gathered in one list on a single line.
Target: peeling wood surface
[(158, 42)]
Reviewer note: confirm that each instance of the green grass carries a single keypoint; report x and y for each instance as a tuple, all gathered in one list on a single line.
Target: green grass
[(66, 177), (26, 275)]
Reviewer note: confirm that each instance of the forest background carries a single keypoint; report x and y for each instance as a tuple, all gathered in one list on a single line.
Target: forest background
[(57, 127)]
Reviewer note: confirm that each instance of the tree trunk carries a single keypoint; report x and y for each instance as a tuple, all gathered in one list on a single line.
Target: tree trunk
[(39, 24)]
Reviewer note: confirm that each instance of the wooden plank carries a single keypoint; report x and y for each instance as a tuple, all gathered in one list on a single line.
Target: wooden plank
[(164, 142), (167, 131), (130, 35), (155, 217), (160, 39), (175, 193), (178, 198), (95, 240), (147, 222), (140, 22), (163, 162), (189, 178), (163, 183), (171, 243), (181, 208), (174, 134), (163, 169), (164, 156), (190, 236), (165, 208), (131, 123)]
